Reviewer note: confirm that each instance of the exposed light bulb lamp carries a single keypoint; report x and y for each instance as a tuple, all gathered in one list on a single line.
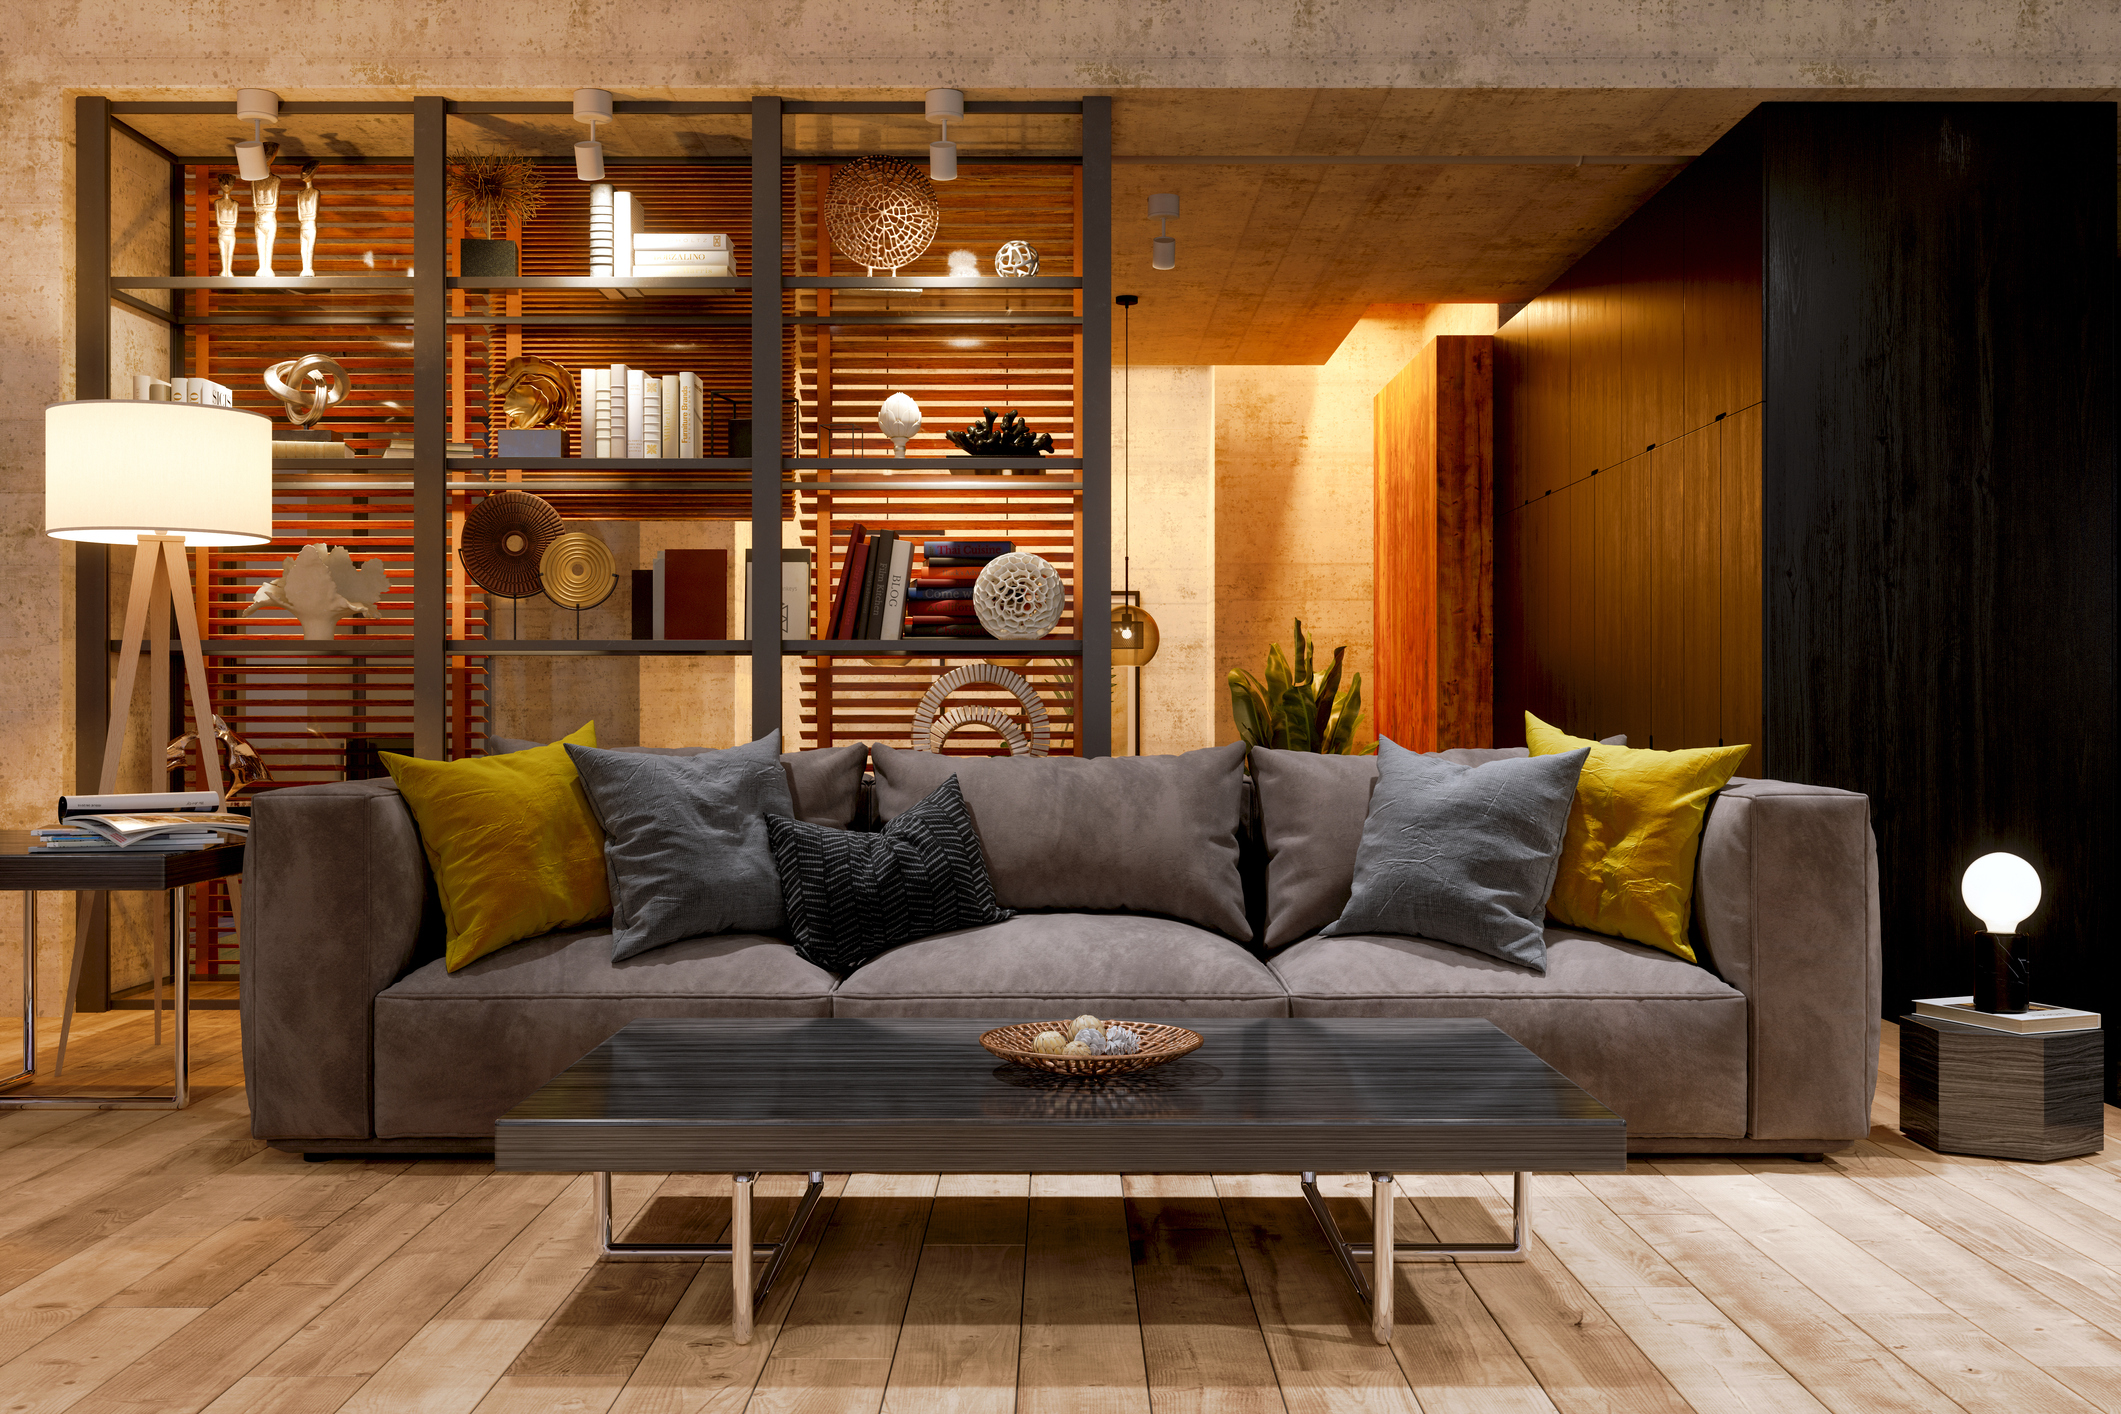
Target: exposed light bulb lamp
[(2002, 891), (591, 106), (1163, 207), (945, 106)]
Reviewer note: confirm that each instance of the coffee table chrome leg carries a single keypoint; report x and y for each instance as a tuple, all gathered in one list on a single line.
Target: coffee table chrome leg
[(1382, 1250), (741, 1249), (740, 1257), (29, 995)]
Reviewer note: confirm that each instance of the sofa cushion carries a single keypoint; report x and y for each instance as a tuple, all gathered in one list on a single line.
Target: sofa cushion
[(685, 840), (1462, 854), (1040, 965), (1155, 834), (1311, 813), (455, 1051), (826, 785), (1660, 1041)]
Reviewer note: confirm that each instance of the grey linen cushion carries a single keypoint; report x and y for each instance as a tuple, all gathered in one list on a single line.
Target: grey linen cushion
[(1462, 854), (685, 842), (852, 894), (826, 784), (1311, 813), (1149, 834)]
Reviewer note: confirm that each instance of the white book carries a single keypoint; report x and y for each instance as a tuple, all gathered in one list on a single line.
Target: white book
[(795, 593), (625, 217), (686, 259), (894, 622), (586, 403), (600, 228), (670, 418), (636, 424), (615, 410), (678, 240), (180, 390), (689, 415), (651, 415)]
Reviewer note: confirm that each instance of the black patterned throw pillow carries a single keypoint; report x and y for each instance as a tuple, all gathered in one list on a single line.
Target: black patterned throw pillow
[(851, 895)]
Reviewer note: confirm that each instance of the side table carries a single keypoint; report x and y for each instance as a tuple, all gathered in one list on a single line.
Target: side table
[(30, 869), (2001, 1094)]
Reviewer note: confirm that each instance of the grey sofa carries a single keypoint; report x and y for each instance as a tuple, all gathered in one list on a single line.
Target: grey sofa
[(1153, 887)]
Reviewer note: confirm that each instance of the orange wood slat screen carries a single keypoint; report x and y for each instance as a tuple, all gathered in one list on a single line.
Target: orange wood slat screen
[(1435, 547)]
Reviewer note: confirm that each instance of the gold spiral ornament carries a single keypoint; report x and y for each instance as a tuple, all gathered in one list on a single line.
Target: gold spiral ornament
[(577, 571)]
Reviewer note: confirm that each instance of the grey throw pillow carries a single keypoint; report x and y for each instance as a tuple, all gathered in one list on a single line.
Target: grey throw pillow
[(685, 841), (1462, 854), (826, 784)]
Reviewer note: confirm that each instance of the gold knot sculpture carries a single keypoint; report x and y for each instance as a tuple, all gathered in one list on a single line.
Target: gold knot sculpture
[(308, 387), (882, 212), (536, 392)]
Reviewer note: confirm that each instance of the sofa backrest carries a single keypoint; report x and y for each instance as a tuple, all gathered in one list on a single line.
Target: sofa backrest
[(1147, 834)]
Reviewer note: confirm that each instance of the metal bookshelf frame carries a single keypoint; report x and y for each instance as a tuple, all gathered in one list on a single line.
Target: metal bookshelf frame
[(427, 474)]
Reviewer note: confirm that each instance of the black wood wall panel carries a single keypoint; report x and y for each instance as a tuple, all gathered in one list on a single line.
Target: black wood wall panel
[(1939, 506)]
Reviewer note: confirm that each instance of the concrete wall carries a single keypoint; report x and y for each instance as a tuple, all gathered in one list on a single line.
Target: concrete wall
[(1171, 464), (1293, 468)]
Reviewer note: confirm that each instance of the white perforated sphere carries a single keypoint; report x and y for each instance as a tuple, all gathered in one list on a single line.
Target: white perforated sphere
[(1018, 596)]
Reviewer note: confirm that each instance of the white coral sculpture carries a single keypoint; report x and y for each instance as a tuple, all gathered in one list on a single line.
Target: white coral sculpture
[(319, 585)]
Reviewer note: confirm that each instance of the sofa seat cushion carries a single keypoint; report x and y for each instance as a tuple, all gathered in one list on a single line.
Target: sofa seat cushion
[(455, 1051), (1660, 1041), (1052, 964)]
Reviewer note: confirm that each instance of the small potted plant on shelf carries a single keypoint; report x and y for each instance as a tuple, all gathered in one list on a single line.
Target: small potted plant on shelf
[(486, 186)]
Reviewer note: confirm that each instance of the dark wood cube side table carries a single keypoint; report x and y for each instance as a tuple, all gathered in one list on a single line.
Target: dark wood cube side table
[(29, 870), (2001, 1094)]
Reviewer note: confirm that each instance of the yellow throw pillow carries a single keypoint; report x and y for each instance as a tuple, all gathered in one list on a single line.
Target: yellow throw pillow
[(1627, 860), (515, 849)]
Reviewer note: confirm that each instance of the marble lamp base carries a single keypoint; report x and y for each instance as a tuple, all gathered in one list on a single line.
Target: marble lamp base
[(2001, 1094)]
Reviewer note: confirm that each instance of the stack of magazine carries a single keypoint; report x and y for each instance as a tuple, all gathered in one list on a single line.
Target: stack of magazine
[(169, 822)]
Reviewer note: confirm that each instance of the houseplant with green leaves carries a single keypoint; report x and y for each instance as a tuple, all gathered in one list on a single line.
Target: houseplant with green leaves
[(1298, 708)]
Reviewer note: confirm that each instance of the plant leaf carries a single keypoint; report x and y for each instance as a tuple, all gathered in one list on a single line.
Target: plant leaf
[(1347, 718), (1328, 701), (1248, 707), (1295, 717)]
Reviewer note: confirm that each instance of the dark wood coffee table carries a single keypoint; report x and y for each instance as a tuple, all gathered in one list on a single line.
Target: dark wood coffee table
[(1289, 1095)]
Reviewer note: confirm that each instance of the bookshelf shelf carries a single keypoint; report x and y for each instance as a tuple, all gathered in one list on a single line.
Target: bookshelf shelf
[(799, 350)]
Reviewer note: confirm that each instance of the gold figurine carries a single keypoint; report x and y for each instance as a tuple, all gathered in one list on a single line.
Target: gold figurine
[(536, 393)]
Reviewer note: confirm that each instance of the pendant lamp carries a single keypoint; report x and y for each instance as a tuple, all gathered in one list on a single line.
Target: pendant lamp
[(1134, 635)]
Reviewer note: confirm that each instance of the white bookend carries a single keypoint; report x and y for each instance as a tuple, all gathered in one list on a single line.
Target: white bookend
[(656, 591), (596, 416), (689, 415), (894, 623), (600, 229), (651, 415), (615, 410), (669, 405), (636, 424), (180, 390)]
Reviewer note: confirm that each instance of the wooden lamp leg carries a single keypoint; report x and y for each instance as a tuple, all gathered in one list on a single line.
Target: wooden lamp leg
[(160, 579)]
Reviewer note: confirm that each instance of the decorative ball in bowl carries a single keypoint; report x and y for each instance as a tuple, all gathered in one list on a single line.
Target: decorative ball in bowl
[(1089, 1046)]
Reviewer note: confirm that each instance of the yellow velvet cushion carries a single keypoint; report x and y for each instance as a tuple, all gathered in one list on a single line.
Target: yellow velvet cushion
[(1627, 860), (515, 849)]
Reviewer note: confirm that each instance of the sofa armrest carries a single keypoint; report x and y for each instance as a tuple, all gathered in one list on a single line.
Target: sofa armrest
[(335, 891), (1786, 911)]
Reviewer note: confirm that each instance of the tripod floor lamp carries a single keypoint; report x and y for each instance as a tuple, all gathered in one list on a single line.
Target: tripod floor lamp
[(161, 477)]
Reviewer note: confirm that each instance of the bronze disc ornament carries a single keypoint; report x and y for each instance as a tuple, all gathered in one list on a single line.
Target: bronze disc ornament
[(577, 571), (504, 540)]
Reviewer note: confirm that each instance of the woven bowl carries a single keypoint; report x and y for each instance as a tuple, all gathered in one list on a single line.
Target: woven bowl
[(1159, 1044)]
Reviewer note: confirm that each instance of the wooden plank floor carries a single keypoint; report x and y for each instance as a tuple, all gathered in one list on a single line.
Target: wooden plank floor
[(169, 1262)]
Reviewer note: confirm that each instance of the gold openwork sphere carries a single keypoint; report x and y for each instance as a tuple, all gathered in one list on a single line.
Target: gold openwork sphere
[(882, 212)]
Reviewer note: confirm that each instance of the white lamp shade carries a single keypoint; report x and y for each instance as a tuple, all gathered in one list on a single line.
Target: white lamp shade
[(1163, 253), (251, 164), (589, 161), (114, 471), (942, 161)]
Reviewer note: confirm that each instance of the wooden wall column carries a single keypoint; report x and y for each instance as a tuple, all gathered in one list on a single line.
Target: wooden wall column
[(1435, 547)]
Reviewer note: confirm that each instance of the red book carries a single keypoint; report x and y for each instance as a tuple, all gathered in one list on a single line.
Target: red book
[(693, 595), (850, 576), (947, 608)]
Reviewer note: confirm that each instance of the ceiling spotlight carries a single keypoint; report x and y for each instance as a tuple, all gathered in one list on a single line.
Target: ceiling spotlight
[(1163, 206), (945, 105), (591, 106), (260, 106)]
